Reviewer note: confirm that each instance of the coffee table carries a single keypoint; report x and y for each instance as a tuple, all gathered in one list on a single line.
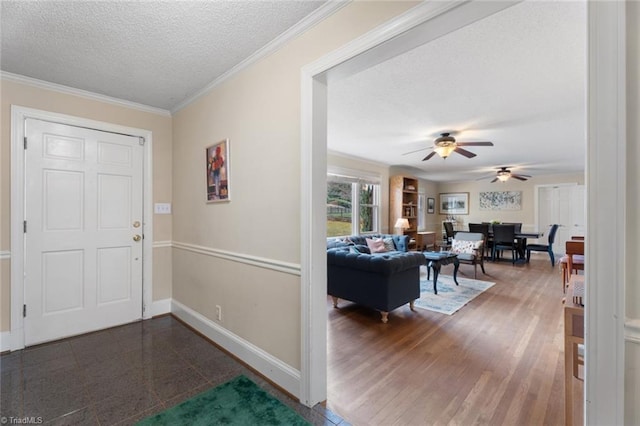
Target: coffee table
[(435, 260)]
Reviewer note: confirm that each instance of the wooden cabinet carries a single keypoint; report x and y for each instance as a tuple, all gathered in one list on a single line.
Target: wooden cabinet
[(426, 240), (403, 203)]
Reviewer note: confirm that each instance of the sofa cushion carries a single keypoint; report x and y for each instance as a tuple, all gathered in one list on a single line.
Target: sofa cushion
[(362, 248), (376, 245), (466, 256), (388, 244), (383, 263), (336, 243), (401, 242)]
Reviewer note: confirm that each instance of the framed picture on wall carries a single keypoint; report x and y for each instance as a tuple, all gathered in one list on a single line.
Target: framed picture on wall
[(218, 172), (431, 205), (454, 203)]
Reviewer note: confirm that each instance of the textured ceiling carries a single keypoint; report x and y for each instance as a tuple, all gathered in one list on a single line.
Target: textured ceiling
[(516, 78), (156, 53)]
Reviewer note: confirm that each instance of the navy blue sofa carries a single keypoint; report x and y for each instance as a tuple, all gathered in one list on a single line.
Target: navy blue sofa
[(382, 281)]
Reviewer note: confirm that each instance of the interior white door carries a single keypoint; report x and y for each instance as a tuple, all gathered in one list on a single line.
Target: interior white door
[(564, 205), (83, 207)]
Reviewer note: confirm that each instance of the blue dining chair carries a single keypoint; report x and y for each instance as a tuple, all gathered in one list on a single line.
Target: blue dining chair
[(545, 247)]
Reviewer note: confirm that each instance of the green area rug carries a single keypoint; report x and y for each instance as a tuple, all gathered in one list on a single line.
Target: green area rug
[(237, 402)]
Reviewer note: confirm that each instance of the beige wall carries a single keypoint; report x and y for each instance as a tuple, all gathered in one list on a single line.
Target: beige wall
[(632, 288), (259, 111), (23, 95), (526, 215)]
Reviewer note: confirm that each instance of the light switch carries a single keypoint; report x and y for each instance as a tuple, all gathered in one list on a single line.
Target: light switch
[(162, 208)]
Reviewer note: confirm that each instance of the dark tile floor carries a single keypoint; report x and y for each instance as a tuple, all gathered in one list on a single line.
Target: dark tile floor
[(121, 375)]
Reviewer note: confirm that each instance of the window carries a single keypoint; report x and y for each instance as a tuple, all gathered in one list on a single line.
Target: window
[(353, 205), (421, 212)]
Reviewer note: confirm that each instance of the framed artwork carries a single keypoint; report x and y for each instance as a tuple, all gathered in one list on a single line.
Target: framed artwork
[(431, 205), (218, 172), (454, 203), (501, 200)]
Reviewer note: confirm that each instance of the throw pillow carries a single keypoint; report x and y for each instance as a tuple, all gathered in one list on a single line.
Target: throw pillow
[(353, 249), (363, 249), (389, 244), (462, 246), (376, 245), (348, 241)]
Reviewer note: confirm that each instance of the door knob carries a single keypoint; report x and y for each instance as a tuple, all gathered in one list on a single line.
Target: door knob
[(136, 224), (137, 237)]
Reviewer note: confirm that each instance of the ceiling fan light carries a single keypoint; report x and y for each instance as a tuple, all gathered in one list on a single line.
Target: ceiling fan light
[(444, 151), (503, 176)]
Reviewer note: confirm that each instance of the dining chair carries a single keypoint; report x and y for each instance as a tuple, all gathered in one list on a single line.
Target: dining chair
[(449, 232), (504, 239), (572, 261), (545, 247), (517, 226)]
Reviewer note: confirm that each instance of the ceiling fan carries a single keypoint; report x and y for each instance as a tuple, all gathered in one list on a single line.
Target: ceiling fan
[(446, 144), (504, 174)]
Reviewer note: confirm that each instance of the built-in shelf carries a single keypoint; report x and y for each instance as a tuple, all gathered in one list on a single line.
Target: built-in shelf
[(403, 203)]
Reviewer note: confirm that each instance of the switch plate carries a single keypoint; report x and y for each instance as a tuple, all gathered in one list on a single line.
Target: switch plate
[(218, 313), (162, 208)]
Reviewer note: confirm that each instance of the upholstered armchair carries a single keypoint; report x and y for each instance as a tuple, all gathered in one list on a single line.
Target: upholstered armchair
[(469, 246)]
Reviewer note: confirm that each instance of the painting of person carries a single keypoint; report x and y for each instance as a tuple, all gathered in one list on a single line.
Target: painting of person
[(217, 172)]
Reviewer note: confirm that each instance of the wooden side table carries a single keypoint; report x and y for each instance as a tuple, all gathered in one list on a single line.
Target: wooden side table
[(426, 240), (573, 335)]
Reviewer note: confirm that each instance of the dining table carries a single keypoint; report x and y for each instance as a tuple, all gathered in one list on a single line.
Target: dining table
[(521, 238)]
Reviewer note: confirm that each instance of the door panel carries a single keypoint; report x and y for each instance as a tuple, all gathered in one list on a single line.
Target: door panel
[(114, 202), (62, 278), (564, 205), (83, 192), (114, 274)]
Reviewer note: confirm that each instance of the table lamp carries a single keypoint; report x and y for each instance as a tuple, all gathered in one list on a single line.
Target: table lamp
[(402, 224)]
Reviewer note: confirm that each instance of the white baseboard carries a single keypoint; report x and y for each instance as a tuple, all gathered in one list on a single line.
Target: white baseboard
[(5, 341), (161, 307), (266, 364)]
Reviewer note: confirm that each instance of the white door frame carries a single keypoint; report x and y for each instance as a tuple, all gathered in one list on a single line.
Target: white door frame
[(604, 384), (18, 116)]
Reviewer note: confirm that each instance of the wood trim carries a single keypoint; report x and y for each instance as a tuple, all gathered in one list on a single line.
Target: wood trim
[(396, 36), (606, 204), (261, 262)]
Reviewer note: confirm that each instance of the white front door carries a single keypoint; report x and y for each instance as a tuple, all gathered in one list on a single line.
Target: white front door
[(83, 207)]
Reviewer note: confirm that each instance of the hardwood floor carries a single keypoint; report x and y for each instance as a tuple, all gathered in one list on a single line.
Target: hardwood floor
[(499, 360)]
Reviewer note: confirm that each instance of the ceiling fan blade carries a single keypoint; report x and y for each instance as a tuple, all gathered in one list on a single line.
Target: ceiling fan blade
[(519, 177), (429, 156), (486, 177), (417, 150), (494, 179), (474, 143), (464, 152)]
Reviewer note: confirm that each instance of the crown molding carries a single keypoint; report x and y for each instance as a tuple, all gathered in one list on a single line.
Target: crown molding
[(305, 24), (41, 84)]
